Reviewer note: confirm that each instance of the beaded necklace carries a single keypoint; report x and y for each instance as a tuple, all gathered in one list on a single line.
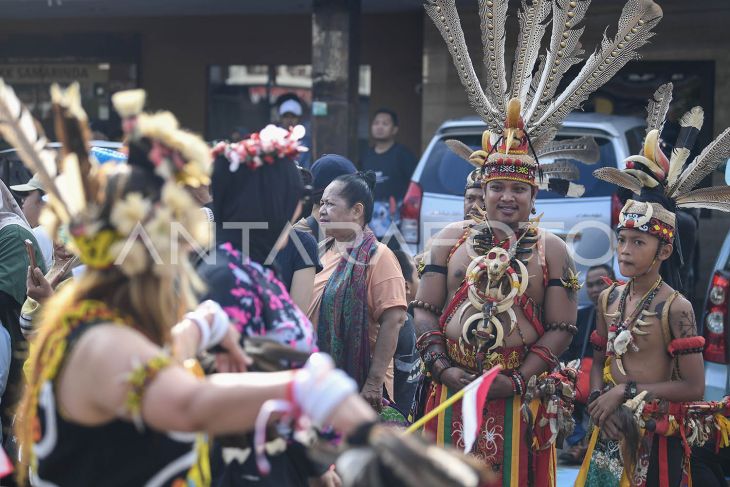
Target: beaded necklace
[(622, 330)]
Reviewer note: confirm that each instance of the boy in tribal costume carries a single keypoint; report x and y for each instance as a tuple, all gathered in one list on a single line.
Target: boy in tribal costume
[(648, 366), (506, 293)]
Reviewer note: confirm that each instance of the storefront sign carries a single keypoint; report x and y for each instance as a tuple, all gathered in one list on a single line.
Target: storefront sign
[(46, 73)]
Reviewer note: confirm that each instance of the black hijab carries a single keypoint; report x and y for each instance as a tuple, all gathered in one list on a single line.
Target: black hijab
[(269, 194)]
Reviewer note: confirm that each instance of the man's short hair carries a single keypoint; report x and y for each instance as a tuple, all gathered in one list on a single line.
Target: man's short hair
[(387, 111), (605, 267), (406, 265)]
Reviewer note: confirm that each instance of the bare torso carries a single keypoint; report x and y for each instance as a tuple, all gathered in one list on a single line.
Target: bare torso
[(524, 333), (651, 363)]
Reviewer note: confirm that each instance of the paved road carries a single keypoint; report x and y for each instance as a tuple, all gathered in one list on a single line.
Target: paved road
[(566, 475)]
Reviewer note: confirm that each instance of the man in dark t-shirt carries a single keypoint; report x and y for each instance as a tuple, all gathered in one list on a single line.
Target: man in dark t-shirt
[(393, 164)]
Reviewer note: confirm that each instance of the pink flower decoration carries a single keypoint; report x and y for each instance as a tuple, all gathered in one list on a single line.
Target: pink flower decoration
[(263, 148)]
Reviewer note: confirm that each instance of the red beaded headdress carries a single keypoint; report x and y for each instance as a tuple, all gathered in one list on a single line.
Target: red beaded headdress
[(662, 184)]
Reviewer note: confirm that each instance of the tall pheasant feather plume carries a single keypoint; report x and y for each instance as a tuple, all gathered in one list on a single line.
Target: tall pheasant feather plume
[(19, 129), (493, 15), (690, 126), (445, 17), (635, 26), (72, 130), (583, 149), (532, 28), (459, 148), (658, 108), (563, 53), (558, 177), (717, 198), (619, 178), (561, 169), (709, 159), (533, 91)]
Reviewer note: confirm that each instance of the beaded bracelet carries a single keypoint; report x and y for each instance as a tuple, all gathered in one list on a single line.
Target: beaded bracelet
[(518, 381), (431, 356), (599, 342), (426, 306), (562, 326), (434, 337), (439, 367)]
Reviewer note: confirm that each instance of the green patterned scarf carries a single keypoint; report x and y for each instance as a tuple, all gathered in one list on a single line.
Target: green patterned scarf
[(342, 331)]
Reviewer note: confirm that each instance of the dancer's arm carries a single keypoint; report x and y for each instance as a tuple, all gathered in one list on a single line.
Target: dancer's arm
[(94, 389), (433, 290), (560, 308), (599, 353), (186, 338)]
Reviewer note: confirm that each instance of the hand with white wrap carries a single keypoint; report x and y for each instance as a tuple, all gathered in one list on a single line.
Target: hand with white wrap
[(216, 330), (318, 388)]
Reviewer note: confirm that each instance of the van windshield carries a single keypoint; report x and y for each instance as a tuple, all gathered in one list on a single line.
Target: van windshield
[(445, 172)]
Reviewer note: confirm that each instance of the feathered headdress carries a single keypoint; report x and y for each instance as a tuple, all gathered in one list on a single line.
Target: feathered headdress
[(474, 178), (105, 229), (526, 115), (661, 183), (557, 176)]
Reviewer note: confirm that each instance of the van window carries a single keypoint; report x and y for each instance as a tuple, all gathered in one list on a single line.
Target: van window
[(635, 139), (445, 172)]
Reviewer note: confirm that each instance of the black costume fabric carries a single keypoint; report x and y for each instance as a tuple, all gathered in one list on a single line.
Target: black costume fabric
[(114, 453), (266, 195), (299, 253)]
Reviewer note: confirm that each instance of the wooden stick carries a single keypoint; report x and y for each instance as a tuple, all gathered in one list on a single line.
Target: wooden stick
[(444, 405)]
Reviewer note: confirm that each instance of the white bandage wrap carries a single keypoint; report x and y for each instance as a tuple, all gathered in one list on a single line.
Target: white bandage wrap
[(210, 335), (319, 388)]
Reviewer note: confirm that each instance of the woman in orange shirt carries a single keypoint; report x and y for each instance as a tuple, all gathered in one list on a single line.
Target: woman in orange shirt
[(359, 299)]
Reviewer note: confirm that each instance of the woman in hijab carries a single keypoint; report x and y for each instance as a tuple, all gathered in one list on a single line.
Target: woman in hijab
[(359, 302)]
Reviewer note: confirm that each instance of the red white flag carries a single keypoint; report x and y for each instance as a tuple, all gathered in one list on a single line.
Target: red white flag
[(472, 406)]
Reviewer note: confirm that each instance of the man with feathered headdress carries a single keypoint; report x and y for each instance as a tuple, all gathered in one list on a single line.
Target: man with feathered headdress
[(506, 293)]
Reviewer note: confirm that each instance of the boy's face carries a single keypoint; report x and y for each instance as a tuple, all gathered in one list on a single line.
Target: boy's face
[(637, 251)]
